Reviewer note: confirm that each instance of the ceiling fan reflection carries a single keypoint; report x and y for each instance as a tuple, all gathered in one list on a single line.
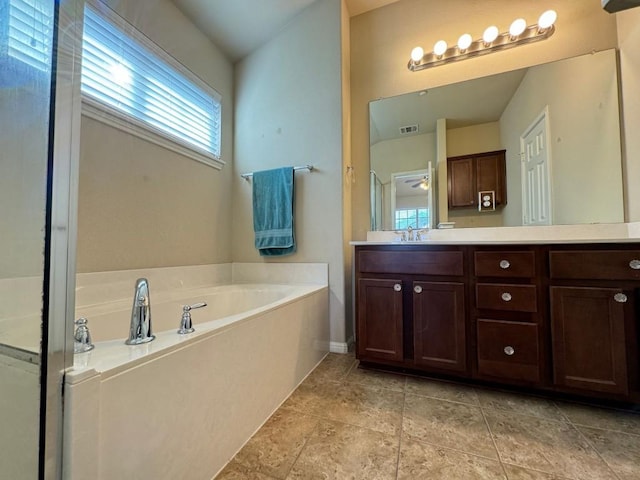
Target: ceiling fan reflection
[(422, 182)]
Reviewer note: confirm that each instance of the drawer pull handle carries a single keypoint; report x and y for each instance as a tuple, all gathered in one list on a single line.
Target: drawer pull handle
[(417, 289), (504, 264), (397, 287), (509, 350), (506, 296), (635, 264), (620, 298)]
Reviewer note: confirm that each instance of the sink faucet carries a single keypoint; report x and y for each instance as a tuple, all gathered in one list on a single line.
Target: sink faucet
[(140, 330)]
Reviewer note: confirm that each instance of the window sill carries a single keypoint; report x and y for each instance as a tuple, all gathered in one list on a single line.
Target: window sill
[(106, 115)]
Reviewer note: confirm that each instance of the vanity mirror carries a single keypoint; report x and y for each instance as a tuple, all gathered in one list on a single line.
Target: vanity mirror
[(559, 124)]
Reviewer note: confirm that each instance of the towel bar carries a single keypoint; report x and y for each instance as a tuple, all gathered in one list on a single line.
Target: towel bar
[(247, 176)]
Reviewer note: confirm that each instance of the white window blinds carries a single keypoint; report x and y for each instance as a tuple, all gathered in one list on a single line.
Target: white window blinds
[(131, 77), (27, 24)]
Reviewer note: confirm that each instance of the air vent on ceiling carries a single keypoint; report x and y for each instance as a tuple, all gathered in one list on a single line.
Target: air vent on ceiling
[(408, 129)]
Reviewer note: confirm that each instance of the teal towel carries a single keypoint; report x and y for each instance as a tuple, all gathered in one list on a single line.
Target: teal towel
[(273, 211)]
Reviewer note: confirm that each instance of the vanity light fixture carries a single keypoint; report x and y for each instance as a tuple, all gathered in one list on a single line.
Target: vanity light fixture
[(492, 41)]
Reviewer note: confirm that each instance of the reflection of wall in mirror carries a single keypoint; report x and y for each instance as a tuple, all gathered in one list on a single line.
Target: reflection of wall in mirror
[(484, 137), (586, 175), (23, 143), (413, 152)]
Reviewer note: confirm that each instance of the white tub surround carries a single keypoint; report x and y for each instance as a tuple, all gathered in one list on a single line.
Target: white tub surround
[(587, 233), (199, 397), (20, 322), (19, 453)]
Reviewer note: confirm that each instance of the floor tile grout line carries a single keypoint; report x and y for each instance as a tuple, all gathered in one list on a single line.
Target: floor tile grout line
[(502, 462), (493, 441), (444, 399), (404, 404), (537, 470), (528, 415), (622, 432), (455, 450), (316, 426), (615, 474), (611, 411)]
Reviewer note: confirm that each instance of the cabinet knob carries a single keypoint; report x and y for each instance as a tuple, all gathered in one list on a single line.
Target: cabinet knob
[(397, 287), (620, 298), (509, 350), (504, 264), (635, 264), (506, 296), (417, 289)]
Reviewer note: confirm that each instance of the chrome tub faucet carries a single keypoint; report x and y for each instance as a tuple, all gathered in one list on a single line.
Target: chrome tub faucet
[(140, 330)]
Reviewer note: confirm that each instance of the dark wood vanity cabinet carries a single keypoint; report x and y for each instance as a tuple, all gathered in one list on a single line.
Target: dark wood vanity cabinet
[(553, 318), (421, 302), (508, 315), (380, 319), (594, 319), (468, 175), (439, 338), (589, 339)]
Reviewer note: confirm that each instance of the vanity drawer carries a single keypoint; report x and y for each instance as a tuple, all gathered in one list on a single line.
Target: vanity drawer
[(497, 296), (508, 350), (412, 262), (595, 264), (505, 264)]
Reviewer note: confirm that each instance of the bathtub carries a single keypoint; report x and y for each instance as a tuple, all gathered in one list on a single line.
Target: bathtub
[(181, 406)]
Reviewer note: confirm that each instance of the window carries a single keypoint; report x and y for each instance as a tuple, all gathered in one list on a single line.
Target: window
[(26, 25), (412, 217), (129, 82)]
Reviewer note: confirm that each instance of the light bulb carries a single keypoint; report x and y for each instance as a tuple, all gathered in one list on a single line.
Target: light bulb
[(547, 19), (517, 27), (417, 54), (464, 41), (490, 34), (440, 47)]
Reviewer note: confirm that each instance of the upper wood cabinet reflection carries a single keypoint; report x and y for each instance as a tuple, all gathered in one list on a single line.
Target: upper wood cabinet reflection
[(467, 175)]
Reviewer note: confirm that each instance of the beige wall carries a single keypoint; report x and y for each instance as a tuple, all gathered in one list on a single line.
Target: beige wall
[(484, 137), (382, 39), (584, 141), (141, 205), (629, 40), (24, 139), (289, 112), (345, 39)]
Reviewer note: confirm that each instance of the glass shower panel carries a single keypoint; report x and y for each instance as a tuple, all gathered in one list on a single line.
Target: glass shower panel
[(26, 42)]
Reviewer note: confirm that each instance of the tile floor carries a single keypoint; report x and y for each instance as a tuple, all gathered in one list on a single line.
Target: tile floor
[(344, 422)]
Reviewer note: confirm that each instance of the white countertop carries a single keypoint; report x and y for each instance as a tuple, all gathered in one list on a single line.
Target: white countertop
[(553, 234)]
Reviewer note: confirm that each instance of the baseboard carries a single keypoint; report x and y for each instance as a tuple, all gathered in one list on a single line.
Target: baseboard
[(340, 347)]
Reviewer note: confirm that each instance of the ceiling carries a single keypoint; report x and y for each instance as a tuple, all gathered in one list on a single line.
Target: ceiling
[(238, 27), (467, 103)]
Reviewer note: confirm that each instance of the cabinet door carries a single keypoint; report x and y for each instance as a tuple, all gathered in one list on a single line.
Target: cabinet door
[(589, 350), (379, 319), (490, 175), (462, 184), (439, 325)]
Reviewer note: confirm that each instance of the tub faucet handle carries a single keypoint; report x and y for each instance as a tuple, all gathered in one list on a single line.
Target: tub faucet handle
[(82, 337), (186, 325), (188, 308)]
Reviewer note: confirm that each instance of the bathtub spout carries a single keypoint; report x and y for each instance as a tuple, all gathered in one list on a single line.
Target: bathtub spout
[(140, 330)]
